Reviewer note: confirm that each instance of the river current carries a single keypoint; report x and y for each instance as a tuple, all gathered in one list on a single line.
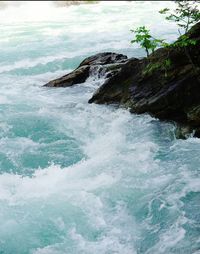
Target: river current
[(85, 178)]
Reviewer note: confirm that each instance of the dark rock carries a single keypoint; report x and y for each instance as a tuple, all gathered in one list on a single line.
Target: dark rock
[(112, 91), (183, 131), (103, 58), (169, 92), (75, 77), (102, 63), (166, 85), (193, 115)]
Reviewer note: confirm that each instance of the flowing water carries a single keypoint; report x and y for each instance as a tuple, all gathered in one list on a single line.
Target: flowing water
[(80, 178)]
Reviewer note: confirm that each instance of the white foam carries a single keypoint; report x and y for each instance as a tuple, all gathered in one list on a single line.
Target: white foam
[(129, 163)]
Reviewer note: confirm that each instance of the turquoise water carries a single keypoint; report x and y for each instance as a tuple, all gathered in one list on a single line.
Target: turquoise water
[(81, 178)]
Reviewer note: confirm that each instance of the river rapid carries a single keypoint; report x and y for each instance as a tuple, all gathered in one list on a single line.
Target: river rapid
[(85, 178)]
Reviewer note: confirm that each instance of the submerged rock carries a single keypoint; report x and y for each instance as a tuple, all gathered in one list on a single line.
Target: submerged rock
[(101, 61)]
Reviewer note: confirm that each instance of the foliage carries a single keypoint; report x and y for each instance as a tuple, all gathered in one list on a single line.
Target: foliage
[(146, 41), (166, 65), (151, 67), (163, 66), (184, 41), (185, 15)]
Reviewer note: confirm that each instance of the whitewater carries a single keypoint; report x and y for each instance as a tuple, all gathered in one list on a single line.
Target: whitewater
[(85, 178)]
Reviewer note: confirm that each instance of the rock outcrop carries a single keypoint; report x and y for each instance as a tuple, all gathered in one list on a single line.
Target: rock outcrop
[(102, 61), (166, 85)]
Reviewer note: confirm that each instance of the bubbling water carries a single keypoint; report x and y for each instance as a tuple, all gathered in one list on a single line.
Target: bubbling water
[(85, 178)]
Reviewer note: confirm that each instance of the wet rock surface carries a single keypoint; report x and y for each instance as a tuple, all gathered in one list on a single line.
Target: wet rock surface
[(167, 92), (102, 62), (166, 85)]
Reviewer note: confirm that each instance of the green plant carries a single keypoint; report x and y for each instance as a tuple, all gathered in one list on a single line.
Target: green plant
[(166, 65), (185, 15), (184, 41), (163, 66), (146, 41), (151, 67)]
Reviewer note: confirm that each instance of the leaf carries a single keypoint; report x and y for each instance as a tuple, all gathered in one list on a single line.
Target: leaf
[(164, 11)]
